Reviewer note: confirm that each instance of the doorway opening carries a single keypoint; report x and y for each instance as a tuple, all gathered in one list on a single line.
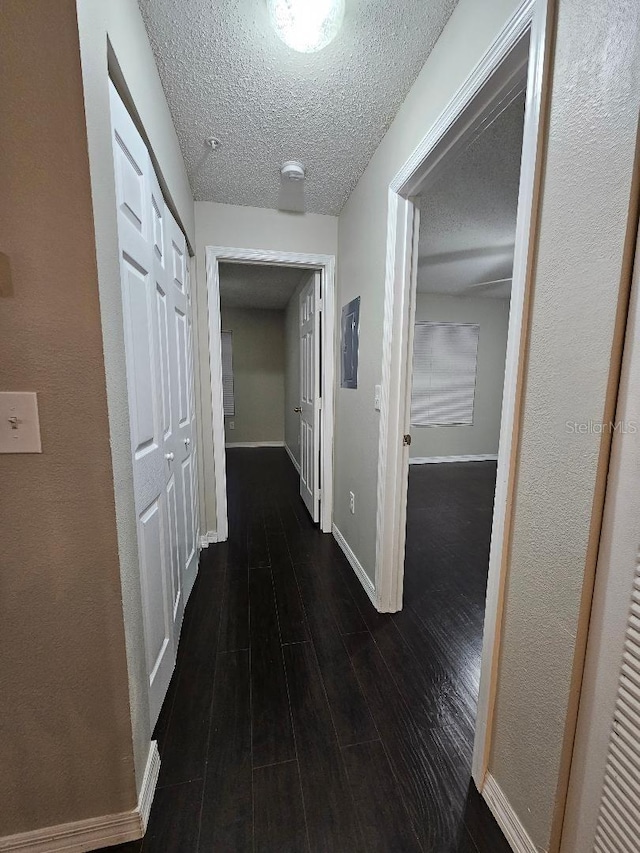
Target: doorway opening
[(422, 329), (461, 318), (271, 338)]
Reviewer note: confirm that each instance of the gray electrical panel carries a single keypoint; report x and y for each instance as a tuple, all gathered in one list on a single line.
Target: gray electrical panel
[(350, 341)]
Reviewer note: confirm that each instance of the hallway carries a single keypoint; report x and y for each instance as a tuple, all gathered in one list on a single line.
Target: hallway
[(300, 719)]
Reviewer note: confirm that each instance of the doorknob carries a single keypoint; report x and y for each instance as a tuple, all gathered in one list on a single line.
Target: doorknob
[(297, 409), (169, 457), (187, 442)]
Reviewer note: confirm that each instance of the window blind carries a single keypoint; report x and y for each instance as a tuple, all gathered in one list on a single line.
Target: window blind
[(444, 373), (228, 400)]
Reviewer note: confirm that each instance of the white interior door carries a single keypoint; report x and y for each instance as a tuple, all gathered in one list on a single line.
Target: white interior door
[(310, 400), (603, 806), (141, 242), (181, 372)]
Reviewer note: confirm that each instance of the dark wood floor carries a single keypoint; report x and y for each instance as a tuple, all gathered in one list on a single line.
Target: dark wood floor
[(299, 718)]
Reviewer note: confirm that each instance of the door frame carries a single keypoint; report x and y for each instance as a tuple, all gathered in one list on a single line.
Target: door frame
[(214, 255), (518, 57)]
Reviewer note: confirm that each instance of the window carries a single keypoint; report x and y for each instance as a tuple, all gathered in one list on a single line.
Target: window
[(444, 374), (228, 401)]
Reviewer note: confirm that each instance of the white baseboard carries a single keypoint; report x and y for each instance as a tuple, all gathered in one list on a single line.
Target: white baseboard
[(95, 832), (208, 538), (362, 576), (296, 464), (149, 782), (255, 444), (507, 819), (431, 460)]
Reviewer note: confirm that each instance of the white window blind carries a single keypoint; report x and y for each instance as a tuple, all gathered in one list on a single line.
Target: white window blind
[(444, 373), (228, 400)]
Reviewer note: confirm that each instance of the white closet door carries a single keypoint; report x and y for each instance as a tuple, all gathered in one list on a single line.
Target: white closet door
[(140, 234), (162, 223), (182, 394), (603, 807)]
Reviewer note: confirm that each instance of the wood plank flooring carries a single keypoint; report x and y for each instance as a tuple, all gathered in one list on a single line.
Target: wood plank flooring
[(299, 718)]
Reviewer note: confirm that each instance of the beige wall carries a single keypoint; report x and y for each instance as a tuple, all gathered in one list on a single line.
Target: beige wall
[(247, 228), (65, 733), (119, 24), (576, 303), (579, 295), (258, 374), (483, 436)]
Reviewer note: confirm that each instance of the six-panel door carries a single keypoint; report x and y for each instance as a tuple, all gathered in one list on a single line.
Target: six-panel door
[(159, 361)]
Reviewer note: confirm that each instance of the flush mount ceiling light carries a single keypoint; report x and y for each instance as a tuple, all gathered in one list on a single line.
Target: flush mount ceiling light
[(306, 25)]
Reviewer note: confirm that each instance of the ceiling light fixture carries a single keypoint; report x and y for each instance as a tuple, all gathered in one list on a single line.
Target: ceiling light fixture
[(306, 25)]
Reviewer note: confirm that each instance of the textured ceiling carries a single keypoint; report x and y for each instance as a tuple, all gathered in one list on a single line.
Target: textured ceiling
[(226, 73), (258, 286), (468, 218)]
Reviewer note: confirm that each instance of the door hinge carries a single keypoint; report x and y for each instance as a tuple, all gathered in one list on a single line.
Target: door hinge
[(320, 304), (406, 440), (319, 404)]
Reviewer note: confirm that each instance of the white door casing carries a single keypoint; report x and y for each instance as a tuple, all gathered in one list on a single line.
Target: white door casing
[(155, 278), (214, 255), (310, 400), (138, 232), (603, 803)]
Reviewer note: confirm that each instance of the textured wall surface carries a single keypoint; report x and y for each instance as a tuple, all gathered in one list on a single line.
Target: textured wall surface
[(578, 279), (258, 374), (362, 255), (248, 228), (65, 732), (227, 74), (119, 23), (492, 315)]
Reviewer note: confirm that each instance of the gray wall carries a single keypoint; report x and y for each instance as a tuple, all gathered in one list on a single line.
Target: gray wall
[(292, 372), (362, 256), (248, 228), (258, 374), (492, 315)]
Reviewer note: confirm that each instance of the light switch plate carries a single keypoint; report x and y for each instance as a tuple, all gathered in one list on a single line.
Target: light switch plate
[(377, 398), (19, 424)]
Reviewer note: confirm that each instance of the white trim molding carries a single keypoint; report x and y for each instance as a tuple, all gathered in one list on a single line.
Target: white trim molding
[(508, 821), (355, 564), (293, 459), (255, 444), (516, 62), (433, 460), (208, 538), (149, 782), (327, 264), (94, 832)]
